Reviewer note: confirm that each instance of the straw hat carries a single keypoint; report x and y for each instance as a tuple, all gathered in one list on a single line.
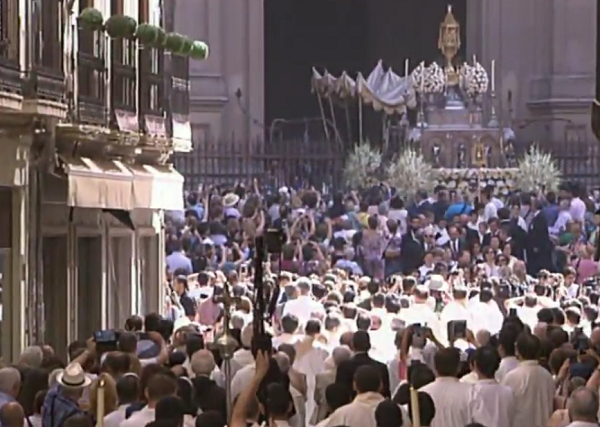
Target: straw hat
[(230, 200), (73, 376)]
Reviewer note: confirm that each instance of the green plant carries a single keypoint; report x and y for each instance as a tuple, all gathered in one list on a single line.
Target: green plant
[(362, 166), (150, 35), (174, 42), (120, 27), (199, 50), (91, 19)]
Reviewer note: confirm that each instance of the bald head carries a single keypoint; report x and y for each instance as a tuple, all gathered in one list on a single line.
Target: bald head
[(12, 414), (583, 405), (283, 361), (483, 337), (341, 354)]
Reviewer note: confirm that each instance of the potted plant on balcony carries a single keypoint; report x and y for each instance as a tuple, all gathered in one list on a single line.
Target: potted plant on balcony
[(91, 19), (120, 27), (178, 44), (151, 35), (199, 50)]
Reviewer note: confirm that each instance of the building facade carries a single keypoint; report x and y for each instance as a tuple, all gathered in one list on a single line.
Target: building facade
[(87, 125), (544, 51)]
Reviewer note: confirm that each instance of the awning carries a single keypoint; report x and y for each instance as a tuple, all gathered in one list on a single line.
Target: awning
[(157, 187), (98, 184)]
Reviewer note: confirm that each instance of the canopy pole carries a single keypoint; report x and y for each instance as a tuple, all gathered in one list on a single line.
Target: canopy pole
[(323, 115), (332, 111), (348, 123), (385, 132), (360, 119)]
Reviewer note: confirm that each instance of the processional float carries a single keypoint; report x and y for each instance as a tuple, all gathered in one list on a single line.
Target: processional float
[(457, 128)]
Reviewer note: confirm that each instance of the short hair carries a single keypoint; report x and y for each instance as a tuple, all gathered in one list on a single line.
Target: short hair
[(507, 339), (152, 322), (278, 399), (528, 346), (11, 414), (487, 361), (367, 379), (128, 342), (210, 419), (159, 386), (361, 341), (31, 357), (337, 395), (203, 363), (426, 408), (447, 362), (363, 322), (545, 315), (388, 413), (313, 327), (10, 379), (341, 354), (128, 388), (193, 343), (283, 361), (78, 420), (332, 321), (583, 404), (289, 323), (170, 408), (134, 323), (288, 349)]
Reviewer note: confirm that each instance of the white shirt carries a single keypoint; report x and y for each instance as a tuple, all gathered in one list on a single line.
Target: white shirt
[(561, 223), (534, 391), (359, 413), (492, 404), (507, 364), (470, 378), (303, 308), (115, 418), (451, 400), (490, 211), (140, 418), (577, 209), (242, 379), (36, 420), (424, 315)]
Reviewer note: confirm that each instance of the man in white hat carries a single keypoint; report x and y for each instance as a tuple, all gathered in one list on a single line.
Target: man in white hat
[(62, 402)]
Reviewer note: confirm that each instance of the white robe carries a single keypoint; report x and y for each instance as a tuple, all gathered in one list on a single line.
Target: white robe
[(534, 391), (451, 400), (492, 404)]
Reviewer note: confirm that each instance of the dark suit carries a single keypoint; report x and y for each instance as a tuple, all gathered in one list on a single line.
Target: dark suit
[(209, 396), (347, 369), (539, 246), (412, 251), (456, 248)]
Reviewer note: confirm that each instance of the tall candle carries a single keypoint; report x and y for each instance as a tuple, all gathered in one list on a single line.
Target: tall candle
[(474, 59), (100, 404), (414, 405), (493, 75), (406, 67), (422, 77)]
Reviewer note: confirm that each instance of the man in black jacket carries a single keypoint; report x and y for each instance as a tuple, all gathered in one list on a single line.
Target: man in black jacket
[(361, 344)]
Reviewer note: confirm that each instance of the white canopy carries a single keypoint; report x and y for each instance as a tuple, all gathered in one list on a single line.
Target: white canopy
[(385, 90)]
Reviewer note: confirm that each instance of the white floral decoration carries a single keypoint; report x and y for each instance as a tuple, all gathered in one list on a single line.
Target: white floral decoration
[(409, 173), (362, 166), (537, 172), (416, 76), (475, 79), (435, 79)]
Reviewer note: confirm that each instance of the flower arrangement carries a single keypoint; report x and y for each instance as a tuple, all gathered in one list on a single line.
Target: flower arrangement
[(362, 166), (120, 27), (416, 76), (91, 19), (473, 180), (475, 79), (537, 171), (409, 173), (435, 79)]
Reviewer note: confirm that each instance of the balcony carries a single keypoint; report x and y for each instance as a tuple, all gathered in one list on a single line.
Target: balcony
[(123, 113), (152, 113), (181, 130), (10, 76), (44, 88), (91, 78)]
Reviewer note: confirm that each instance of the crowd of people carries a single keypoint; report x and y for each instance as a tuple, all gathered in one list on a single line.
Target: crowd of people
[(441, 311)]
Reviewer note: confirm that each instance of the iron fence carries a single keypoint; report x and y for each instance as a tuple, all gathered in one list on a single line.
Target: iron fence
[(287, 162)]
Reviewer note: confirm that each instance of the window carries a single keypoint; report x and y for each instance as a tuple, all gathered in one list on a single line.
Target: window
[(123, 62), (48, 15), (90, 61), (151, 67), (9, 29)]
